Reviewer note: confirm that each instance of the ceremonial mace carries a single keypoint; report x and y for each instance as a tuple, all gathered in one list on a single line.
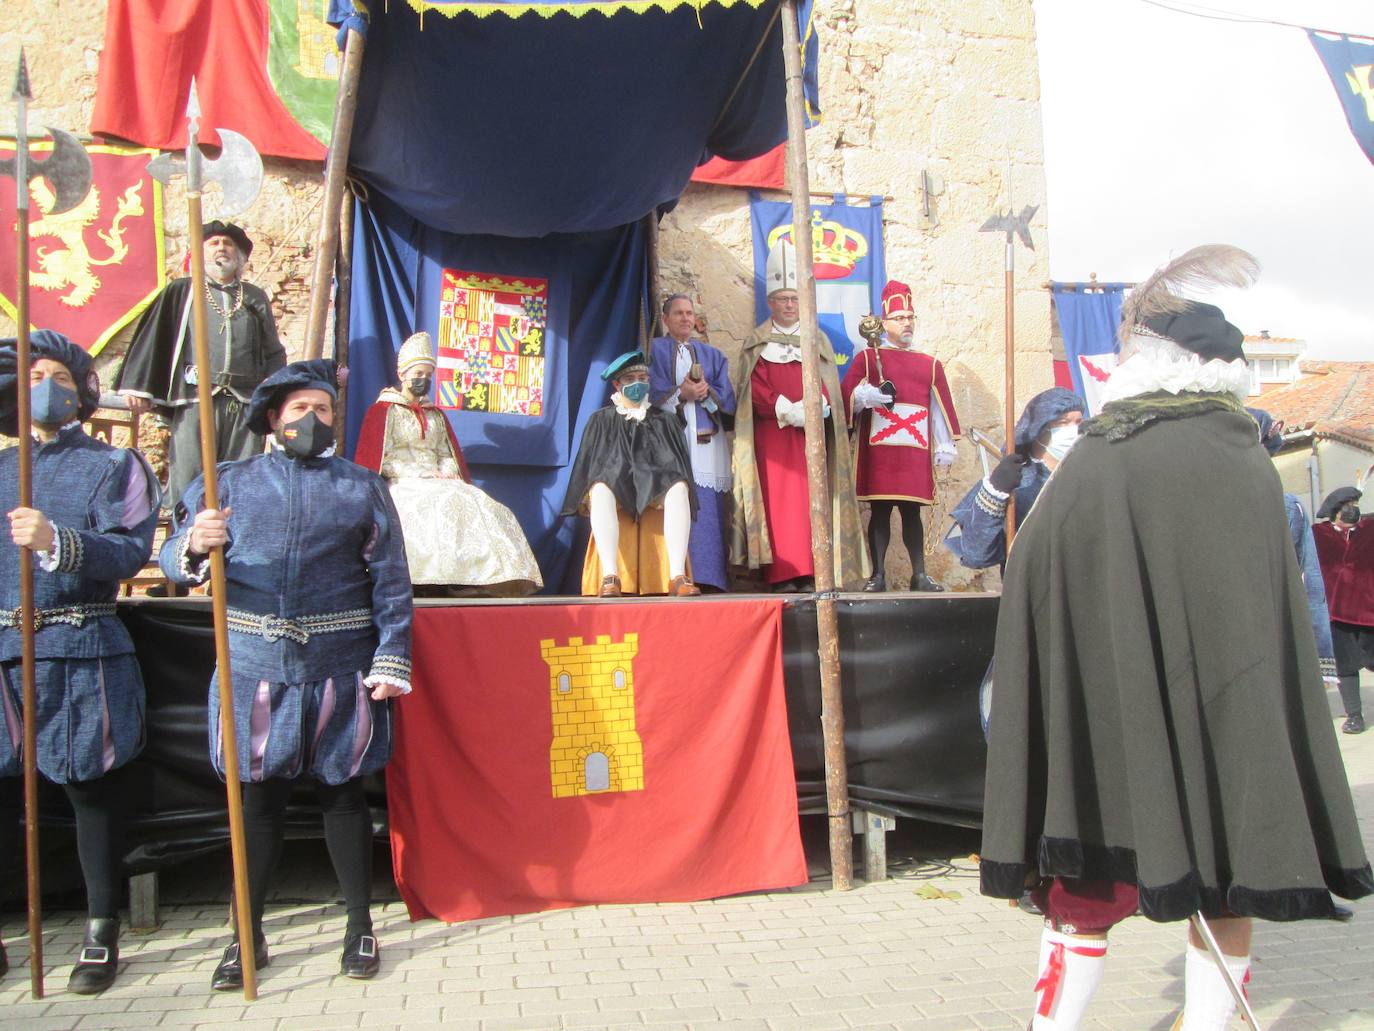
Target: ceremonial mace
[(68, 171), (1012, 225), (238, 170)]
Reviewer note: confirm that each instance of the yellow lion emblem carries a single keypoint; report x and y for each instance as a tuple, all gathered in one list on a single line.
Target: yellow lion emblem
[(72, 264)]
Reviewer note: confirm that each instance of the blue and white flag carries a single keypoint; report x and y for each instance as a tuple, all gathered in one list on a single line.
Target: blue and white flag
[(1350, 63), (847, 251), (1088, 320)]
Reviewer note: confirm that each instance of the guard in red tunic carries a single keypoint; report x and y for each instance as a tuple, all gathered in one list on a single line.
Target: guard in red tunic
[(898, 402)]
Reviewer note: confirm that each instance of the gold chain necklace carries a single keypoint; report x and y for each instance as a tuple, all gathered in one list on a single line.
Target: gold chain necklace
[(225, 315)]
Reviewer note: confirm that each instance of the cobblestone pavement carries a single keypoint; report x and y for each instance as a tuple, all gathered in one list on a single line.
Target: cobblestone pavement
[(882, 955)]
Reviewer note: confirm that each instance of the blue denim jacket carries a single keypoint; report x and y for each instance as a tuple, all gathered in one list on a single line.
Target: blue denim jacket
[(103, 504), (307, 537), (981, 518)]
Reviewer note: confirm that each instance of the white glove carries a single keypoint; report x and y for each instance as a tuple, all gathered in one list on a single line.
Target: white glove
[(866, 395), (945, 455), (789, 413)]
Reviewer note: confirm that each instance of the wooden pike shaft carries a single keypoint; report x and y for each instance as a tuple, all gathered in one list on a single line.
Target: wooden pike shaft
[(29, 692), (219, 600), (1009, 410), (343, 297), (822, 550), (335, 172)]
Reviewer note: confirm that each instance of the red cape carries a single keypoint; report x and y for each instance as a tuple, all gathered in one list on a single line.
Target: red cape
[(370, 439)]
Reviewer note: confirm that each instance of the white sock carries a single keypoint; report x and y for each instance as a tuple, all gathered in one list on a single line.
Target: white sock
[(605, 517), (1070, 971), (677, 527), (1207, 1001)]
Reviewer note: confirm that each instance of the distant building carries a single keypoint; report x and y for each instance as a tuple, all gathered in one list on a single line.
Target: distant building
[(1273, 361), (1328, 416)]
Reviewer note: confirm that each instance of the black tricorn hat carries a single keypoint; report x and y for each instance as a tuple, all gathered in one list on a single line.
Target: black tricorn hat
[(235, 233)]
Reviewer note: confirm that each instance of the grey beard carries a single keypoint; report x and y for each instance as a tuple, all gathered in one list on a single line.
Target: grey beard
[(223, 272)]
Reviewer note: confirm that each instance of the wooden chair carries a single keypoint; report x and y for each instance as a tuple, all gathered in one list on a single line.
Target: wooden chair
[(117, 426)]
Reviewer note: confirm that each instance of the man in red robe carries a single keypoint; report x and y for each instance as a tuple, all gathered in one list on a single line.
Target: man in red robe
[(898, 401), (1345, 548), (772, 520)]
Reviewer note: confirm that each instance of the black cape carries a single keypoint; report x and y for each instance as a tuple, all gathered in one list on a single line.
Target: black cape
[(639, 461), (1159, 716), (160, 353)]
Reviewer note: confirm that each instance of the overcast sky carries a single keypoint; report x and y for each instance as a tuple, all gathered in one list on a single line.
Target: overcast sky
[(1164, 130)]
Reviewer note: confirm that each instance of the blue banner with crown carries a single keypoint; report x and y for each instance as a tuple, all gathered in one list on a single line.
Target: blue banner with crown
[(1350, 64), (847, 250)]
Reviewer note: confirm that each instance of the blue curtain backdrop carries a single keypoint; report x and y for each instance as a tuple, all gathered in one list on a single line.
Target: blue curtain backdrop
[(596, 282), (1088, 320), (841, 300), (1348, 62)]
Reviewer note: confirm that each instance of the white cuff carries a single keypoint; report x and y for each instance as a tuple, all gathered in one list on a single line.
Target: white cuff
[(196, 573), (49, 560), (999, 495), (376, 679)]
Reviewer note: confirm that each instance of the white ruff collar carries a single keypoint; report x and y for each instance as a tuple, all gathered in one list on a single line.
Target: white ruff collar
[(778, 352), (1158, 364), (633, 412)]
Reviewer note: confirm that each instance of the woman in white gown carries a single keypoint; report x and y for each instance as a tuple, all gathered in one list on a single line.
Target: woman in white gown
[(455, 535)]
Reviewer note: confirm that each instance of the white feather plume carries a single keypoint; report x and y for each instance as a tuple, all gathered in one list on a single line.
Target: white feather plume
[(1200, 269)]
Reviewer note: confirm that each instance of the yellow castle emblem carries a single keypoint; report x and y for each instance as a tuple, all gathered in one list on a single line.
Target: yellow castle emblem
[(596, 747)]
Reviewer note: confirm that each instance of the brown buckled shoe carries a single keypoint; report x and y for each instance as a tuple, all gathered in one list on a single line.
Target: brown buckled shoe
[(681, 587), (610, 587)]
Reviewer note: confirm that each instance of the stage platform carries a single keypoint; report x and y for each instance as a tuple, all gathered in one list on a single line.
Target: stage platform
[(911, 666)]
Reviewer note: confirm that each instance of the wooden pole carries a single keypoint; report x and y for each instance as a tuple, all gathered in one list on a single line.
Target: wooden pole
[(219, 591), (29, 693), (822, 551), (335, 173), (343, 299), (1009, 403), (654, 291)]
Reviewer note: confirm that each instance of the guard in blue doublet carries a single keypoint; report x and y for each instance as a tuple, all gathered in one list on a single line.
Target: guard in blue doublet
[(90, 525), (319, 605)]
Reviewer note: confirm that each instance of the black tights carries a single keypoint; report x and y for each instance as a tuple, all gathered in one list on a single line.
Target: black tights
[(347, 833), (1350, 694), (880, 533), (101, 810)]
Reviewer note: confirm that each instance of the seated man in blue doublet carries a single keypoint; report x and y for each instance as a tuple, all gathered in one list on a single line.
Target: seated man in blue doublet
[(90, 526), (1043, 435), (319, 637)]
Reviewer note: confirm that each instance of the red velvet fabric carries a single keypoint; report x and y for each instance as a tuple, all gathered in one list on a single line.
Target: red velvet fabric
[(1347, 561)]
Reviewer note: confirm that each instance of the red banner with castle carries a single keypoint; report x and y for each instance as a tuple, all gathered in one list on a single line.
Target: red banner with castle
[(563, 755)]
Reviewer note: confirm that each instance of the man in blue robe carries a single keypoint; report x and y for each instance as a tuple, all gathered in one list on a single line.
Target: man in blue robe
[(690, 379), (319, 637), (1046, 430), (90, 525)]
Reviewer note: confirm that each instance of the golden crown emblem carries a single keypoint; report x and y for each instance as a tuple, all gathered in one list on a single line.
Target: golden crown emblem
[(835, 249)]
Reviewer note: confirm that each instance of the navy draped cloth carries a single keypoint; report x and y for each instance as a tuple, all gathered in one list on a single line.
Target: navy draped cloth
[(529, 126), (596, 285)]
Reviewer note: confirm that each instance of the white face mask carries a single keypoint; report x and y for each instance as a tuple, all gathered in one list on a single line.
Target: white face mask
[(1062, 438)]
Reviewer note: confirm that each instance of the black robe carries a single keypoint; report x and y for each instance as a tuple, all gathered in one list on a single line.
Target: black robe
[(1159, 716), (160, 354), (639, 461)]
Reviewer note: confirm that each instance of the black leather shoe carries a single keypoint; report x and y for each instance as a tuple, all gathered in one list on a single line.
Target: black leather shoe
[(228, 976), (1026, 903), (362, 957), (1341, 913), (99, 962), (1353, 725), (875, 583), (922, 582)]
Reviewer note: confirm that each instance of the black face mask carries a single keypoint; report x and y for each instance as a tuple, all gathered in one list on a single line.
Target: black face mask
[(307, 436), (419, 386), (1349, 515)]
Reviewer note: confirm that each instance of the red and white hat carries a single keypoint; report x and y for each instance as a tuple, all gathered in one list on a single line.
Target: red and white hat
[(896, 299)]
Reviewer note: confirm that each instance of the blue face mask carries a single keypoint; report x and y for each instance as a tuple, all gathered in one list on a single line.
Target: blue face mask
[(635, 393), (52, 403)]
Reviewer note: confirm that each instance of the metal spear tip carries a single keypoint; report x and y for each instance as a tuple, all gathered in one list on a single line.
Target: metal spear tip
[(193, 107), (21, 80)]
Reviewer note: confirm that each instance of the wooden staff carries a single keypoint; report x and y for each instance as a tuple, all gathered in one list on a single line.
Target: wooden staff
[(335, 174), (1009, 374), (818, 482), (68, 171), (343, 299)]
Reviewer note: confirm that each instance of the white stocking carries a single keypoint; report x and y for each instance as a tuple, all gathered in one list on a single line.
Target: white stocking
[(677, 527), (1208, 1004), (605, 516), (1070, 971)]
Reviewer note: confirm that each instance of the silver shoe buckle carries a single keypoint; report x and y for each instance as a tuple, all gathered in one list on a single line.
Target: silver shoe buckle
[(95, 954), (367, 947)]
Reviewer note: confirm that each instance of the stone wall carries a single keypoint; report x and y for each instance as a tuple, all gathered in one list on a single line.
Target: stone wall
[(950, 88)]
